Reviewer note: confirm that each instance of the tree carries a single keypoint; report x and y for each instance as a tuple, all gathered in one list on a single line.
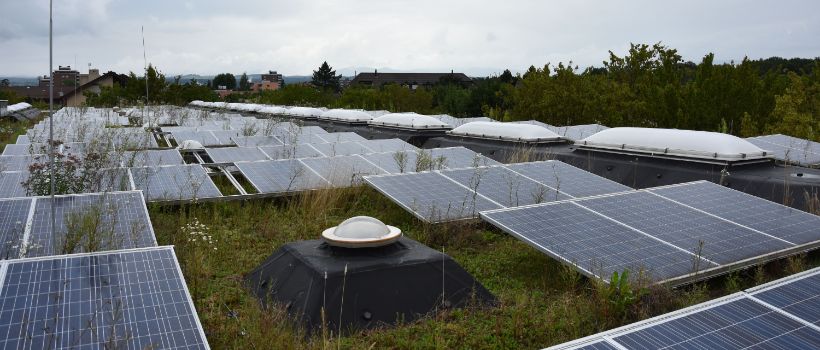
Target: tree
[(326, 78), (4, 83), (244, 83), (227, 80)]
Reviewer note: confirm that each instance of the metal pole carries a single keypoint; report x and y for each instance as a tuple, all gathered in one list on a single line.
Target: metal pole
[(145, 64), (51, 113)]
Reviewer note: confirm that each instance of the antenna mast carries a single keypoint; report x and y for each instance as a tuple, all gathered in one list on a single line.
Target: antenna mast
[(51, 113), (145, 63)]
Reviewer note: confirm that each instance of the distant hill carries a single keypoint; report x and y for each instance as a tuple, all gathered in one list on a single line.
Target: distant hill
[(202, 79)]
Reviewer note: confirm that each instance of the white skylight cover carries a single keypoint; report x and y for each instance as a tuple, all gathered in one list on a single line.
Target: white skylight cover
[(409, 121), (272, 110), (684, 143), (346, 115), (304, 112), (18, 107), (506, 131)]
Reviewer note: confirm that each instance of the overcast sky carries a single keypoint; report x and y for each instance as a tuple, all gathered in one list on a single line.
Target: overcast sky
[(475, 37)]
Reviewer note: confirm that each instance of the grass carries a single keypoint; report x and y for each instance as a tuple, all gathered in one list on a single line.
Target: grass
[(541, 301), (9, 129)]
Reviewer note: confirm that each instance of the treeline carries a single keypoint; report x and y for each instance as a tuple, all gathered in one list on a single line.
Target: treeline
[(648, 86), (159, 91)]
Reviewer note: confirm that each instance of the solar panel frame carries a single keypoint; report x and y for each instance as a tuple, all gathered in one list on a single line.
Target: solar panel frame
[(135, 298)]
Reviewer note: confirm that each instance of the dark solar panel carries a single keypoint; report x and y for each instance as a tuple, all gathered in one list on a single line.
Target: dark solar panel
[(431, 196), (714, 239), (737, 324), (595, 244), (118, 300), (11, 183), (453, 158), (151, 158), (90, 222), (777, 220), (291, 151), (281, 176), (799, 296)]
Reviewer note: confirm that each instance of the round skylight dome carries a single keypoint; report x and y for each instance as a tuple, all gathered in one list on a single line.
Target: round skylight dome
[(190, 145), (361, 231), (674, 142), (506, 131)]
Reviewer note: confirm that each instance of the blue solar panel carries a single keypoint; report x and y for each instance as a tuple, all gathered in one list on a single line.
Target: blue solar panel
[(568, 179), (11, 183), (291, 151), (738, 324), (14, 215), (714, 239), (504, 186), (777, 220), (281, 176), (89, 222), (151, 158), (395, 162), (431, 196), (118, 300), (341, 148), (799, 296), (595, 244)]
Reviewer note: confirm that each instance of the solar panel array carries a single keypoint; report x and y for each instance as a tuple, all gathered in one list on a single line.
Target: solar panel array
[(291, 173), (572, 132), (789, 149), (174, 182), (135, 299), (783, 314), (453, 194), (674, 234)]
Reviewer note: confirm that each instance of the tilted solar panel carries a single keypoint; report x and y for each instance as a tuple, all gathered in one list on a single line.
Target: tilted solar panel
[(341, 137), (253, 141), (11, 183), (798, 295), (291, 151), (14, 214), (281, 176), (388, 145), (175, 182), (341, 148), (431, 196), (235, 154), (567, 178), (89, 222), (343, 171), (134, 299), (504, 186)]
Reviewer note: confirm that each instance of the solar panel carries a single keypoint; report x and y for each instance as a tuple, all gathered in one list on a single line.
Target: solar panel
[(715, 239), (567, 178), (453, 158), (341, 148), (25, 149), (225, 137), (253, 141), (20, 163), (343, 171), (431, 196), (235, 154), (593, 243), (206, 138), (578, 132), (11, 183), (789, 149), (396, 162), (311, 130), (89, 222), (789, 224), (504, 186), (280, 176), (178, 182), (736, 324), (291, 151), (708, 241), (151, 158), (798, 295), (290, 139), (14, 215), (780, 315), (135, 299), (340, 137), (388, 145)]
